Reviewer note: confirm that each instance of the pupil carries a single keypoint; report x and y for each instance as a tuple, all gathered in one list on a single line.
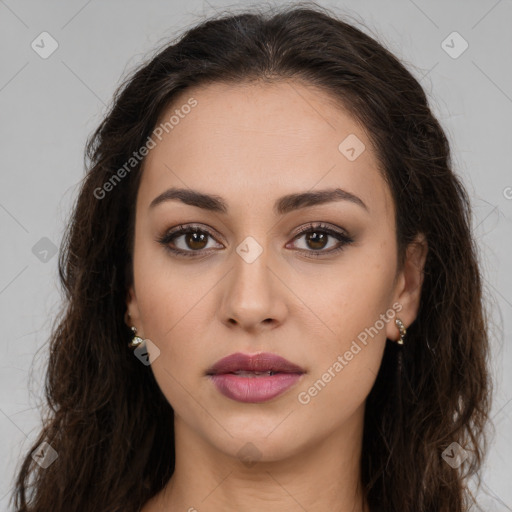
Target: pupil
[(321, 238), (196, 237)]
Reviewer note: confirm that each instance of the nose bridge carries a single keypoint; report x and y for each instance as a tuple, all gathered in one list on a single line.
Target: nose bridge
[(251, 295), (250, 277)]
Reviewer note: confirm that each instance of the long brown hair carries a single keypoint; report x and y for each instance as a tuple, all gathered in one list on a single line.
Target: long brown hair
[(107, 418)]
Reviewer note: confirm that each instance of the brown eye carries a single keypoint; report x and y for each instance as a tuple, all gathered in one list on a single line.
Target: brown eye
[(196, 240), (316, 240), (320, 240), (187, 241)]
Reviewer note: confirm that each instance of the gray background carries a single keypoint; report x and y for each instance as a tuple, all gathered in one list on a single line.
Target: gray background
[(49, 106)]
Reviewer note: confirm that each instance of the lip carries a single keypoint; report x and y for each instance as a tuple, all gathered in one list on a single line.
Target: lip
[(261, 362), (254, 388)]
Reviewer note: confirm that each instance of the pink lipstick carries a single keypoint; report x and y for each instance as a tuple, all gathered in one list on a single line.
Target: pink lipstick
[(254, 378)]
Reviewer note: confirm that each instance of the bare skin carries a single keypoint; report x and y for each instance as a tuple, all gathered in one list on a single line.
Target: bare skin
[(251, 145)]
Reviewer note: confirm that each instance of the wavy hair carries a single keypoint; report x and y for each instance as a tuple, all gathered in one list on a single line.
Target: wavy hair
[(106, 416)]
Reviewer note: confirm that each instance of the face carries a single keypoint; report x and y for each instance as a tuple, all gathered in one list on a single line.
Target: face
[(268, 264)]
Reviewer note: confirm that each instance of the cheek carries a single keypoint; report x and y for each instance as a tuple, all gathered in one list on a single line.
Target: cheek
[(169, 293), (354, 304), (172, 322), (350, 298), (173, 317), (340, 389), (173, 301)]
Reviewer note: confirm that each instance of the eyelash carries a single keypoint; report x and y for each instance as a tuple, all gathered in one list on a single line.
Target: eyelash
[(169, 236)]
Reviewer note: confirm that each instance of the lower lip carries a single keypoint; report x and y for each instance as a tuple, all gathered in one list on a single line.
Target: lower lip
[(254, 389)]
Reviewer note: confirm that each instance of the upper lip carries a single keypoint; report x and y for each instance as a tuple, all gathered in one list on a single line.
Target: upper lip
[(262, 362)]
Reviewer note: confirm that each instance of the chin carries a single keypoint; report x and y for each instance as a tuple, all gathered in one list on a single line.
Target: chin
[(262, 442)]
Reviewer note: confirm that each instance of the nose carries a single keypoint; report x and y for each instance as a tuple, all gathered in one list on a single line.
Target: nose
[(254, 297)]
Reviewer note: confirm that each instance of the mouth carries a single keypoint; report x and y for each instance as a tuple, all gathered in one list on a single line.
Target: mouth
[(254, 365), (254, 379), (244, 373)]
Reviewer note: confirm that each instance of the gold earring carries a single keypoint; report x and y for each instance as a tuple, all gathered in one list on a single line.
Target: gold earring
[(136, 340), (402, 329)]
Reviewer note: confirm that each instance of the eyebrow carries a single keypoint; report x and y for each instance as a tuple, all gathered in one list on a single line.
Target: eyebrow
[(282, 205)]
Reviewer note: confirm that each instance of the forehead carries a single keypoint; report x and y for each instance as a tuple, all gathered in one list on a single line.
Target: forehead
[(258, 141)]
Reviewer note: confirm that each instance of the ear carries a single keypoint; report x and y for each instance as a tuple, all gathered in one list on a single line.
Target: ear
[(408, 285), (132, 315)]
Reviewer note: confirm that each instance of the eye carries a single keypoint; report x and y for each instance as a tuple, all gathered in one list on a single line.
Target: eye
[(316, 239), (189, 241), (193, 241)]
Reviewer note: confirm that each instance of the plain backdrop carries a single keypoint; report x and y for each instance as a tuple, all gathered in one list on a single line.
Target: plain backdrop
[(50, 105)]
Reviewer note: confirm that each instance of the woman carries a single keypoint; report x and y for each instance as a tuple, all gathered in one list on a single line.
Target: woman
[(273, 296)]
